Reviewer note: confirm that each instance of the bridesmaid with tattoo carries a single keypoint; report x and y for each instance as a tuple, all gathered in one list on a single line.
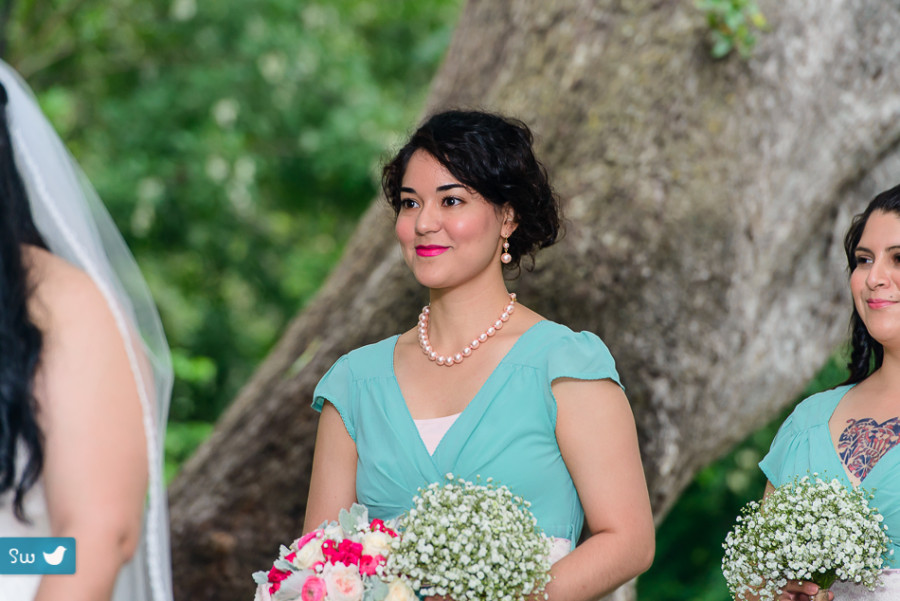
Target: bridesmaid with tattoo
[(852, 431)]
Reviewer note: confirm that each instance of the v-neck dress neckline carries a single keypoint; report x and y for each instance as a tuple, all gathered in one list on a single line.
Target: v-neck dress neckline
[(506, 432), (883, 463), (465, 418), (804, 446)]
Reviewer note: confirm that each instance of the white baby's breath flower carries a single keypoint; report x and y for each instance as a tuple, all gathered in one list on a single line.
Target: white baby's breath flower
[(809, 529), (471, 543)]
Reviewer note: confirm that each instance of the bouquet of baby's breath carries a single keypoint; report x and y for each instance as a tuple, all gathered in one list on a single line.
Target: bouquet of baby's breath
[(808, 529), (471, 542)]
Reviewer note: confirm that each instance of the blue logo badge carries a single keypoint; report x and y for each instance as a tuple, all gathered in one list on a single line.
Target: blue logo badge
[(37, 555)]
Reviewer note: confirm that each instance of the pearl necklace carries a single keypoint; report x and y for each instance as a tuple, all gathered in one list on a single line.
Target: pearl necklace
[(451, 360)]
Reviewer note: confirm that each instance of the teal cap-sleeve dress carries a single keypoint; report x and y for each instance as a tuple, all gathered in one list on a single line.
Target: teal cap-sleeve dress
[(507, 431), (803, 446)]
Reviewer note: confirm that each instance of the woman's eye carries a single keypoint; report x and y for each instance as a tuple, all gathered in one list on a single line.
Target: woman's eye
[(863, 260), (452, 201), (408, 203)]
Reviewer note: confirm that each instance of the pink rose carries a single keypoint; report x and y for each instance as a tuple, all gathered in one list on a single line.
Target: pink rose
[(343, 582), (347, 552), (313, 589), (275, 578), (378, 526), (301, 542), (368, 564)]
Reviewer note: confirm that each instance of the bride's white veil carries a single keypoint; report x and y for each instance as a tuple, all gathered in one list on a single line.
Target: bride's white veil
[(76, 226)]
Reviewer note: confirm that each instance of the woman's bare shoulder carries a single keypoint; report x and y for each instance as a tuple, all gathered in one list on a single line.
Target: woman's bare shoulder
[(61, 292), (83, 349)]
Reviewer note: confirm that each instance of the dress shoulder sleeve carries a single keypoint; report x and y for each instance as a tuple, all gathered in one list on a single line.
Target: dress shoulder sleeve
[(582, 356), (782, 452), (799, 445), (336, 387)]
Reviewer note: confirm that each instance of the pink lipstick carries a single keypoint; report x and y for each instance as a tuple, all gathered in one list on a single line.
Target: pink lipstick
[(430, 250), (876, 303)]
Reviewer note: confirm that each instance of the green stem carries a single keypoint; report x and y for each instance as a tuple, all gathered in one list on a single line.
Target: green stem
[(825, 580)]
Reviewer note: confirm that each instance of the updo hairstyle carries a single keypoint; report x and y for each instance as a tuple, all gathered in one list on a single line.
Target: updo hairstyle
[(492, 155)]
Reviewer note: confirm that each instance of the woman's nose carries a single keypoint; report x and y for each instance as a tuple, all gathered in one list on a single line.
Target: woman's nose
[(428, 220), (878, 275)]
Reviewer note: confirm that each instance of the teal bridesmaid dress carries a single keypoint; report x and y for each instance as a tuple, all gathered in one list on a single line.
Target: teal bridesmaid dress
[(803, 446), (507, 431)]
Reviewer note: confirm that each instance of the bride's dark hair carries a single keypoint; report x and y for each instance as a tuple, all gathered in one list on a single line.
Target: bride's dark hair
[(866, 353), (20, 339)]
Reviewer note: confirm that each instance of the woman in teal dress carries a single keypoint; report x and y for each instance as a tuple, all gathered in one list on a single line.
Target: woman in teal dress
[(851, 432), (484, 386)]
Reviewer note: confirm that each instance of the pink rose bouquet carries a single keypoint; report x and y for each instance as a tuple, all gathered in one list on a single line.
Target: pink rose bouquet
[(340, 561)]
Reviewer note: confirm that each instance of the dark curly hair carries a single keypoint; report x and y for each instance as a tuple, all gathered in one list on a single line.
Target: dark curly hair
[(866, 353), (20, 339), (494, 156)]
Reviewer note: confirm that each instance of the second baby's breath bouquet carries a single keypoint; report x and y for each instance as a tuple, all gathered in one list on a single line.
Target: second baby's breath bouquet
[(808, 529), (471, 542)]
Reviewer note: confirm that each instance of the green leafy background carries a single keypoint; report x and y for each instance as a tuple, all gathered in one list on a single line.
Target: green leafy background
[(236, 143)]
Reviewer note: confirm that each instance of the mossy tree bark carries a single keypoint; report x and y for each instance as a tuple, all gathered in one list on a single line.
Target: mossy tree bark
[(706, 201)]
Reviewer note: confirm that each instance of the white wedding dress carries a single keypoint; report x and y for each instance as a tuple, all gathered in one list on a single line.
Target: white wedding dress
[(852, 592), (23, 587)]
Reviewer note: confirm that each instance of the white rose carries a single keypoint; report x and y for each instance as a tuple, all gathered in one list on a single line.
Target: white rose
[(342, 583), (377, 543), (398, 590), (309, 554), (334, 531)]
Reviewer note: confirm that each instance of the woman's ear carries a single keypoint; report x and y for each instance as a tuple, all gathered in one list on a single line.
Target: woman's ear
[(509, 221)]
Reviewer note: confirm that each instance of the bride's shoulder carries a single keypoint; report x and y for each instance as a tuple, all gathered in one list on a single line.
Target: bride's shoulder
[(60, 292)]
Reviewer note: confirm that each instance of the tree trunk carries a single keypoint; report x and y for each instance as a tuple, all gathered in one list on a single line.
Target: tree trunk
[(706, 201)]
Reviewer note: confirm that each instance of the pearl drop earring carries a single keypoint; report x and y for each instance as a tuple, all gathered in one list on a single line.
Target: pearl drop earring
[(505, 257)]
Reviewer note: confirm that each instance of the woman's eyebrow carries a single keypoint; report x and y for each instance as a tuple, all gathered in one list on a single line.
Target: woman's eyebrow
[(891, 248), (409, 190)]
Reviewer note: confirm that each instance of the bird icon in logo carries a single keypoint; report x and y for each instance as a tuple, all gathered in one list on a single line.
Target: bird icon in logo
[(55, 558)]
